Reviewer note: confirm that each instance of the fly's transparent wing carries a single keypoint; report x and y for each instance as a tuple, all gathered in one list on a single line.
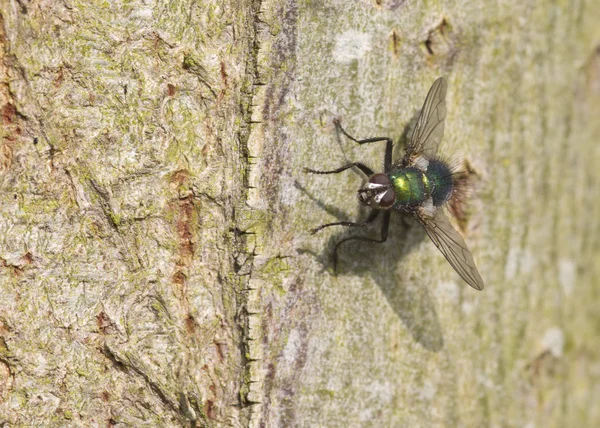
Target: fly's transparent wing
[(429, 129), (452, 246)]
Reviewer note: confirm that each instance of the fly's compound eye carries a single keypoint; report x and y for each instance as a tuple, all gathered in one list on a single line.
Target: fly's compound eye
[(387, 199), (380, 179)]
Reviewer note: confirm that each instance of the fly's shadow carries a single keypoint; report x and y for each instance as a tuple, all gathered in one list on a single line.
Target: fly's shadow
[(409, 299)]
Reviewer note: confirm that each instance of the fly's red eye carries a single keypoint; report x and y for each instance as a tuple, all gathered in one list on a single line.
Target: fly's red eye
[(380, 179), (388, 199)]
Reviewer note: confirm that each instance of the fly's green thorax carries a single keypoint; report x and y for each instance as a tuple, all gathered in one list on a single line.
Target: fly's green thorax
[(413, 186), (410, 186)]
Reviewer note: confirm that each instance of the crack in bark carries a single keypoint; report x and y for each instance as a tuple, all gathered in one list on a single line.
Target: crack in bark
[(182, 409), (243, 260)]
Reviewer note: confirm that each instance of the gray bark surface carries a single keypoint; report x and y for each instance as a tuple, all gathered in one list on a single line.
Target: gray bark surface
[(156, 266)]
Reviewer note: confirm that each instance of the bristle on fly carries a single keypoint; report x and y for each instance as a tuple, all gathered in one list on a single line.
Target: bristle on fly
[(452, 184), (463, 176)]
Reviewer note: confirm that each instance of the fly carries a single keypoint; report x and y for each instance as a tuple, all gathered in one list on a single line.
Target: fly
[(418, 184)]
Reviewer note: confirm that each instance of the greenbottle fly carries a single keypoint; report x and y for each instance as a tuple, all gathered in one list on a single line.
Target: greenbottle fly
[(418, 184)]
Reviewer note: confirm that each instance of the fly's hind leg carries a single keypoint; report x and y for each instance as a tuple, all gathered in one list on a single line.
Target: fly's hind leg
[(384, 235)]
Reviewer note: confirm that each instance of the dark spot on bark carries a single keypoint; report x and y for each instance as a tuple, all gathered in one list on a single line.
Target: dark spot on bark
[(209, 409), (442, 43), (178, 278), (35, 140), (22, 6), (27, 258), (205, 150), (170, 89), (4, 328), (190, 324), (188, 62), (436, 35), (428, 44), (9, 113), (185, 228), (105, 324), (220, 351), (186, 217), (60, 77), (111, 423), (179, 177), (224, 74), (395, 43), (105, 396)]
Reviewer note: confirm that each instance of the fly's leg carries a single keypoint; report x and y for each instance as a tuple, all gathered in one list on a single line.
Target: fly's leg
[(384, 235), (387, 160), (365, 223), (365, 169)]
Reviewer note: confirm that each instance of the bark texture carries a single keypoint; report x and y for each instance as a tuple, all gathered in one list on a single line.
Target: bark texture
[(155, 262)]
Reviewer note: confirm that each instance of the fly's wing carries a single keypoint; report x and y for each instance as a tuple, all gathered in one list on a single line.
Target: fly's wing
[(451, 244), (429, 129)]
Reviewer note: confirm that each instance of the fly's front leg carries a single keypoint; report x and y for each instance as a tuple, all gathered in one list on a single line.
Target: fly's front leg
[(365, 223), (365, 169)]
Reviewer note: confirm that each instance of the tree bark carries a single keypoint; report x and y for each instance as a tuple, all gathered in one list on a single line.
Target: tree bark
[(155, 256)]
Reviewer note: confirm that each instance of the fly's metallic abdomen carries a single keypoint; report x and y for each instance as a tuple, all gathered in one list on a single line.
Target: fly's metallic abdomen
[(440, 182), (410, 185), (413, 187)]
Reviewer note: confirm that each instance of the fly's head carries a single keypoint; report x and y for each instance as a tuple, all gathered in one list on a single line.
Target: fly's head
[(378, 193)]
